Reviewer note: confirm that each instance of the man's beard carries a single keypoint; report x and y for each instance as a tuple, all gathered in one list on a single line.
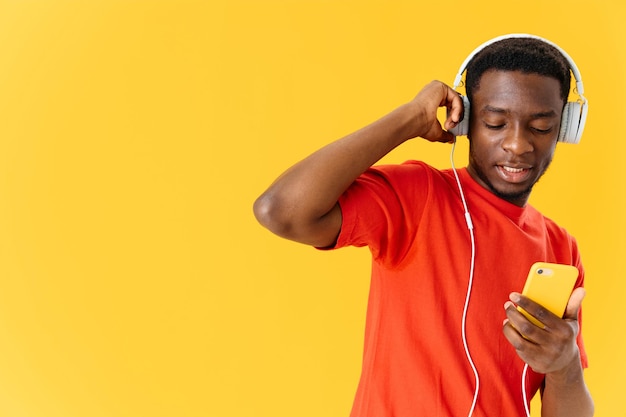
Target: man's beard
[(503, 195)]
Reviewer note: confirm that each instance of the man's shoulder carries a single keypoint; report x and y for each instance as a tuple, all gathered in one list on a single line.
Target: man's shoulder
[(413, 180), (411, 168)]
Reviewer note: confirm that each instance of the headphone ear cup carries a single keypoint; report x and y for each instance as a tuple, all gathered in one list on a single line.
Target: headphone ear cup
[(462, 129), (570, 123)]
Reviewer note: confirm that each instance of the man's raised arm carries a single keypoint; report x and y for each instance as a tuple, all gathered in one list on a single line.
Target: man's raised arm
[(301, 205)]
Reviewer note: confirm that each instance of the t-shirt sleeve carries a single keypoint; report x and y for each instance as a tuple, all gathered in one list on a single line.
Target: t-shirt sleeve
[(580, 283), (382, 209)]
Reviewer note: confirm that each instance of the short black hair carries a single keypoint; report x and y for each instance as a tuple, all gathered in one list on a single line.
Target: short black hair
[(527, 55)]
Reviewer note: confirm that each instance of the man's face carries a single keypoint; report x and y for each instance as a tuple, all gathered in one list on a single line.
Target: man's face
[(514, 125)]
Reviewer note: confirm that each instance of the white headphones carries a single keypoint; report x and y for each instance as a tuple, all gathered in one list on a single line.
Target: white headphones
[(574, 113)]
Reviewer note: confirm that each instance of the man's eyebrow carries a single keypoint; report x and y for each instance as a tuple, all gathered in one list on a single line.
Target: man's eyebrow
[(493, 109), (544, 114), (539, 115)]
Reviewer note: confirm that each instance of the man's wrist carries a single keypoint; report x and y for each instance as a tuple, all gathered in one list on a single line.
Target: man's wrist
[(570, 374), (414, 119)]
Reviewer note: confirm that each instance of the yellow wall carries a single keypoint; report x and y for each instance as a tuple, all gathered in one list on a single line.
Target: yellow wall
[(134, 137)]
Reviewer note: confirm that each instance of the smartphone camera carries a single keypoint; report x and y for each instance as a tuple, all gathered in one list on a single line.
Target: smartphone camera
[(540, 271)]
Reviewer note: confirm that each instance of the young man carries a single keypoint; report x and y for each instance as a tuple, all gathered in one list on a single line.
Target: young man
[(411, 217)]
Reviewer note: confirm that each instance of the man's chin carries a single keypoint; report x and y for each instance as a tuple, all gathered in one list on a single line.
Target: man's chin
[(514, 197)]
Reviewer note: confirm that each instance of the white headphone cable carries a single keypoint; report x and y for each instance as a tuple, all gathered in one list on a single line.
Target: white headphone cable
[(470, 226), (524, 390)]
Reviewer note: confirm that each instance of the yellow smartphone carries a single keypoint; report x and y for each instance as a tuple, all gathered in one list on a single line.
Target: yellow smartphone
[(549, 285)]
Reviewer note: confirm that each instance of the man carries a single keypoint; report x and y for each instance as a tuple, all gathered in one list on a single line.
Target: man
[(424, 304)]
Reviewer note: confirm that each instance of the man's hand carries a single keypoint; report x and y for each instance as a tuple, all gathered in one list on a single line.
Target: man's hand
[(434, 95), (546, 350), (553, 351)]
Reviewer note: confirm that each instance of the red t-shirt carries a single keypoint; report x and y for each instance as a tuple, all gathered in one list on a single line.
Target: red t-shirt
[(414, 364)]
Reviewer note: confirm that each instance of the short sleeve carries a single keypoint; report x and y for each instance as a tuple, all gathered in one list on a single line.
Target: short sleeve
[(580, 283), (382, 209)]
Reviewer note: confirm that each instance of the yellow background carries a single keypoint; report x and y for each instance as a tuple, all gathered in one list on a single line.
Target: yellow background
[(135, 136)]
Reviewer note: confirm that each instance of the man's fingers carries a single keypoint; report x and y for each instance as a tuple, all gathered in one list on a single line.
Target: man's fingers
[(454, 104), (539, 313)]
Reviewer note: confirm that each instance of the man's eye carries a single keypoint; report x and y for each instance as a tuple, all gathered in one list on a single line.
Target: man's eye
[(542, 131), (493, 127)]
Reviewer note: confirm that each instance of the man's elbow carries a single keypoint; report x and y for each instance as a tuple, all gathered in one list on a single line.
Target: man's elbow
[(291, 219), (273, 215)]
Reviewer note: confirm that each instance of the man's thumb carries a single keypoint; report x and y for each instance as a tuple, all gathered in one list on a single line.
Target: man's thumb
[(574, 303)]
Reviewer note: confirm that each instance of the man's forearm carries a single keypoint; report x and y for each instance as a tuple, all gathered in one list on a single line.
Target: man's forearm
[(566, 394), (294, 206)]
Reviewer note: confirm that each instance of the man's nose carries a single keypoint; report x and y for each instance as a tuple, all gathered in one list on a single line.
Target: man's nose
[(518, 141)]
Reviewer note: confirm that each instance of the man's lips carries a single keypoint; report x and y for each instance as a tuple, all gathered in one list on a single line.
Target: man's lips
[(514, 173)]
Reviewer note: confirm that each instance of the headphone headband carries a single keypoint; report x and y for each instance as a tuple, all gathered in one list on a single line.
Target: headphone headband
[(579, 81)]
